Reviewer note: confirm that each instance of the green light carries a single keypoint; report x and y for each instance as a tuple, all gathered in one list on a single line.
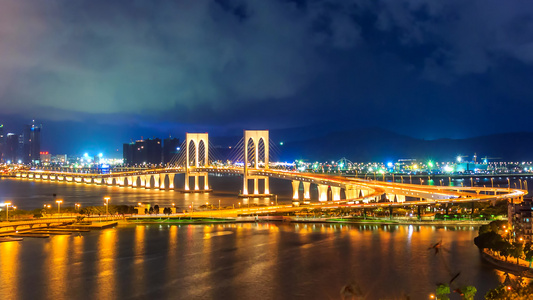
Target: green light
[(281, 143), (430, 164)]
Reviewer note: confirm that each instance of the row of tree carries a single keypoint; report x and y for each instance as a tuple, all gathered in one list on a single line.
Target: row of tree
[(496, 237)]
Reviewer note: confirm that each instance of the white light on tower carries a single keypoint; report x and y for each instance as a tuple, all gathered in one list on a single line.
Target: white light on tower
[(459, 158)]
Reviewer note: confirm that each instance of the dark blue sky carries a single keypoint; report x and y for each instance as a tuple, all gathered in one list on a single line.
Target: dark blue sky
[(98, 73)]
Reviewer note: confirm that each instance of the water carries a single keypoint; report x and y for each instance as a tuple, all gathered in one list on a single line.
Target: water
[(242, 261), (32, 194)]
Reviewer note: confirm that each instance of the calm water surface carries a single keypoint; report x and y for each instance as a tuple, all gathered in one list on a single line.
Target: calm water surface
[(242, 261), (32, 194)]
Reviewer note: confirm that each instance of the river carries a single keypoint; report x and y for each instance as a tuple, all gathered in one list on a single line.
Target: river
[(242, 261)]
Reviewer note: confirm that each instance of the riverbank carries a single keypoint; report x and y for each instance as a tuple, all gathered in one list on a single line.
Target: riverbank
[(290, 219), (521, 269)]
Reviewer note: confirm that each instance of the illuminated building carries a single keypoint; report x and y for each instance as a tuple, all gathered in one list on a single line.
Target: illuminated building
[(171, 147), (31, 144), (521, 217), (142, 152), (11, 148), (2, 142)]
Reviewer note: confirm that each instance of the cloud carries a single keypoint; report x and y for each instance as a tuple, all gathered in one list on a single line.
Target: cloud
[(144, 57)]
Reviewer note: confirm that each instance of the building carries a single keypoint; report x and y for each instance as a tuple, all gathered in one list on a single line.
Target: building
[(31, 137), (171, 147), (143, 152), (520, 216), (11, 148), (2, 141), (45, 157)]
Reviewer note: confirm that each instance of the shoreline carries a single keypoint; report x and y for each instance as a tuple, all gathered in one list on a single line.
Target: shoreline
[(507, 266), (204, 221)]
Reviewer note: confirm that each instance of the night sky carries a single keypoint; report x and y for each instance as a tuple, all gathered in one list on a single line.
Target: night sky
[(98, 73)]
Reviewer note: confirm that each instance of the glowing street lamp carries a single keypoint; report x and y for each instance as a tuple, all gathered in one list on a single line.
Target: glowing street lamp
[(106, 199), (59, 201), (77, 205), (6, 204)]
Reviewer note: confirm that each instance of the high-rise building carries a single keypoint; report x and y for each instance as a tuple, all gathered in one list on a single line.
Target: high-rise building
[(32, 144), (142, 152), (171, 147), (2, 142), (11, 148)]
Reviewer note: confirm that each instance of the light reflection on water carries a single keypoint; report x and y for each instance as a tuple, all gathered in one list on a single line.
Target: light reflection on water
[(32, 194), (241, 261)]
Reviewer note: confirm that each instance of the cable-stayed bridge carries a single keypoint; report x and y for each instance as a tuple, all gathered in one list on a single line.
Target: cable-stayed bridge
[(250, 159)]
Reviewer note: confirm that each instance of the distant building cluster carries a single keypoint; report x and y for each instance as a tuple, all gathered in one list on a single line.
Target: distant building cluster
[(22, 147), (150, 151)]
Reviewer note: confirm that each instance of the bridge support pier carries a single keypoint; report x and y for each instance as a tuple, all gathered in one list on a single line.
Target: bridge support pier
[(295, 189), (307, 194), (322, 192), (171, 181), (336, 193)]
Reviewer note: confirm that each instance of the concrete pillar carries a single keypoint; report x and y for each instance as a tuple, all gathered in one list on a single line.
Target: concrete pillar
[(196, 183), (171, 181), (391, 197), (267, 186), (143, 180), (162, 181), (134, 181), (400, 198), (307, 194), (148, 183), (186, 187), (156, 181), (336, 193), (245, 181), (206, 182), (295, 188), (351, 193), (322, 192), (256, 185)]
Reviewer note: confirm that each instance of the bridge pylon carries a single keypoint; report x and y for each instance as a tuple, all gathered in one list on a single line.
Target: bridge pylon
[(252, 140), (196, 161)]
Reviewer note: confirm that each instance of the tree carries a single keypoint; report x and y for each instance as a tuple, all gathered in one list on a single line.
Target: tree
[(156, 209), (517, 250), (151, 210), (442, 292), (528, 252), (504, 248), (488, 240), (468, 292)]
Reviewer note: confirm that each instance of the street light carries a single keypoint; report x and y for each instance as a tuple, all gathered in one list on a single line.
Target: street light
[(6, 204), (218, 204), (77, 205), (59, 201), (107, 198)]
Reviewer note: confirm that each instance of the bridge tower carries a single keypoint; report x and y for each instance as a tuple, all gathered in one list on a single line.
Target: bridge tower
[(192, 163), (252, 139)]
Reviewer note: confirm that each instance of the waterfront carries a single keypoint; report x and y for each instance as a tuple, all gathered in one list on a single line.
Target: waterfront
[(32, 194), (242, 261)]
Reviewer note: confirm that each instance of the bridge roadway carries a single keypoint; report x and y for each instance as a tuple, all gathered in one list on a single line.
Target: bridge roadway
[(358, 192)]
